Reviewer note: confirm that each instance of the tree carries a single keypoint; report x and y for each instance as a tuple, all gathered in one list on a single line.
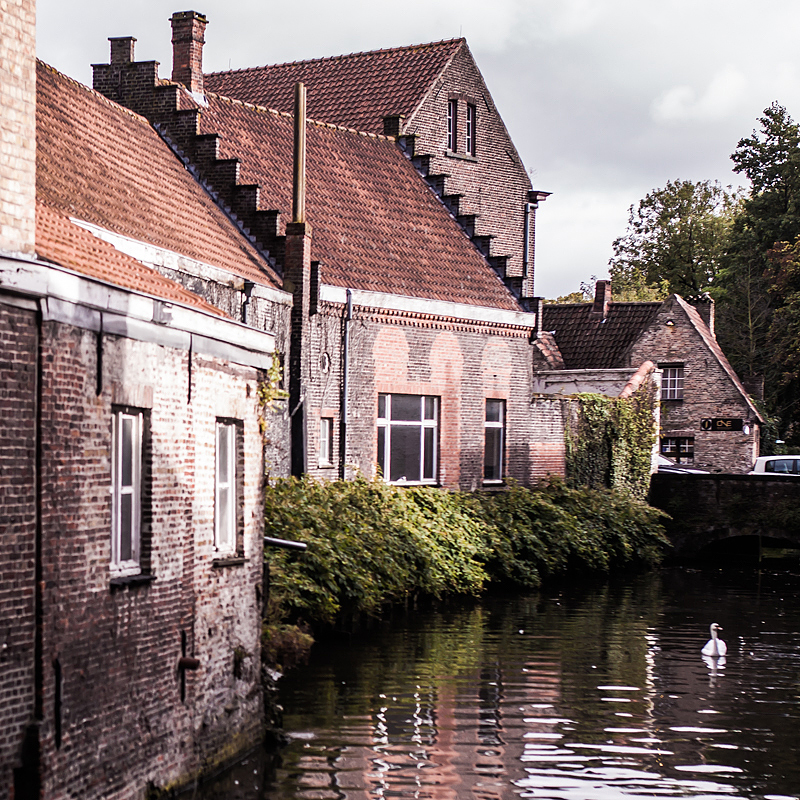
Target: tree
[(674, 242), (758, 287)]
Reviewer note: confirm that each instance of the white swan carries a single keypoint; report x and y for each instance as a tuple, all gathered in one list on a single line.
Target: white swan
[(714, 646)]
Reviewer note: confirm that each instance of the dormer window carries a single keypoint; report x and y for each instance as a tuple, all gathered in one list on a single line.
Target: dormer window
[(452, 124), (469, 140)]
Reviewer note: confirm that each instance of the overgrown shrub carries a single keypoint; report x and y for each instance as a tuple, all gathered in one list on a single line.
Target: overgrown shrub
[(371, 544)]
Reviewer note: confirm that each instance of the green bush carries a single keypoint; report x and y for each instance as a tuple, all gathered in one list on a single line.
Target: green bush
[(370, 544)]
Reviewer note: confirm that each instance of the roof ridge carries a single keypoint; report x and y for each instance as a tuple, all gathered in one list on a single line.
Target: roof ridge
[(340, 57), (94, 92), (274, 112)]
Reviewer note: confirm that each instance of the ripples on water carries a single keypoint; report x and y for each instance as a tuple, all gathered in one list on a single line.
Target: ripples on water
[(600, 694)]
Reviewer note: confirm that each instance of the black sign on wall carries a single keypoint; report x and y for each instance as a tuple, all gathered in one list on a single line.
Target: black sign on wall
[(722, 424)]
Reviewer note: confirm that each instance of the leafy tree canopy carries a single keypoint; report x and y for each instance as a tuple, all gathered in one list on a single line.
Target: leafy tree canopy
[(674, 242)]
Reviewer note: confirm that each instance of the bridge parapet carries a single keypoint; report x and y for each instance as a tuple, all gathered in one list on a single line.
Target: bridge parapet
[(710, 508)]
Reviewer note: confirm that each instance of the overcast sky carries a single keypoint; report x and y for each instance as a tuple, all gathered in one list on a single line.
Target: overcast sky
[(605, 99)]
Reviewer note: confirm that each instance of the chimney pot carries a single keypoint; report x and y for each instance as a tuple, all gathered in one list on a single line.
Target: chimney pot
[(122, 49), (188, 38)]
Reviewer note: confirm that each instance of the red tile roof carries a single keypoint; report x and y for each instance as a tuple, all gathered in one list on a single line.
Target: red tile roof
[(355, 91), (103, 164), (376, 224), (63, 242), (587, 341)]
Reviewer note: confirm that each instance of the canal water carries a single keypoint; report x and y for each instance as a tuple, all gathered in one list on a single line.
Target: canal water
[(597, 692)]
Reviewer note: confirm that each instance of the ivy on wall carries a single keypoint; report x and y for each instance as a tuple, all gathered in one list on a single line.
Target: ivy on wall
[(609, 440)]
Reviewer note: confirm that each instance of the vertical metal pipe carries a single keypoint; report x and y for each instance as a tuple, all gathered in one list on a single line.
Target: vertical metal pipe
[(345, 385), (526, 240), (299, 184)]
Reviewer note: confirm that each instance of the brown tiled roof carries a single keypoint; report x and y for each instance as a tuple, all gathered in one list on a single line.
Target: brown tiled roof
[(355, 91), (587, 341), (376, 224), (63, 242), (103, 164), (545, 343)]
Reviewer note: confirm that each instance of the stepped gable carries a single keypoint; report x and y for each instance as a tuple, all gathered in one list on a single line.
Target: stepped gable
[(589, 341), (376, 225), (63, 242), (355, 91), (101, 163)]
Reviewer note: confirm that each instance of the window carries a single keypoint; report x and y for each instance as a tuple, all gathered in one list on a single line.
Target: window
[(126, 492), (681, 448), (452, 124), (469, 142), (408, 426), (225, 504), (325, 441), (784, 466), (494, 440), (672, 383)]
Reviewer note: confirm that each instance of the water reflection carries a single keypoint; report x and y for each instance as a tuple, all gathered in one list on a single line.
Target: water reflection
[(601, 693)]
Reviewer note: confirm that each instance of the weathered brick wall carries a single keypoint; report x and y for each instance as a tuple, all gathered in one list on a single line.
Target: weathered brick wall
[(18, 339), (459, 363), (17, 126), (705, 509), (123, 722), (548, 451), (708, 392), (494, 183)]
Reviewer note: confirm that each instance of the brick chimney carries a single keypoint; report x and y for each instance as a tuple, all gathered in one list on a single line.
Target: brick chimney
[(188, 30), (602, 298)]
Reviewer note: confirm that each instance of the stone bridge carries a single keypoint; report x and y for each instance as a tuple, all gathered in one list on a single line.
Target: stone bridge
[(709, 509)]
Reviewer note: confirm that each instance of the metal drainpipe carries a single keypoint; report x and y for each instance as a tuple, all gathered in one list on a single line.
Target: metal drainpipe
[(345, 385), (526, 238), (38, 559)]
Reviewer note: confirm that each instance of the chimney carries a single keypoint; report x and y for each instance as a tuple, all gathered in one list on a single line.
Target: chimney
[(188, 29), (602, 298), (704, 305), (122, 49)]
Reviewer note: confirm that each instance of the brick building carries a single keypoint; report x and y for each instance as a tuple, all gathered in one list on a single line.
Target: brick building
[(132, 457), (707, 417), (434, 100), (410, 350)]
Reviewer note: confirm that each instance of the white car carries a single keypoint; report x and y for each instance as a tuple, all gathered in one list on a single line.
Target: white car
[(776, 465)]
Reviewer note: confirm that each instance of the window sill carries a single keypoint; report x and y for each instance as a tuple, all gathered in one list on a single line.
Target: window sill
[(121, 581), (325, 465), (494, 482), (460, 156), (228, 561)]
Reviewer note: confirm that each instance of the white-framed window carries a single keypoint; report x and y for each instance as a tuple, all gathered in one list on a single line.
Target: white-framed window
[(471, 129), (681, 448), (126, 492), (452, 125), (325, 441), (225, 488), (672, 382), (494, 440), (408, 437)]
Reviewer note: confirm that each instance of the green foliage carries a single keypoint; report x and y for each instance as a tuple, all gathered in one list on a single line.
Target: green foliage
[(269, 391), (674, 243), (758, 290), (610, 441), (370, 544)]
